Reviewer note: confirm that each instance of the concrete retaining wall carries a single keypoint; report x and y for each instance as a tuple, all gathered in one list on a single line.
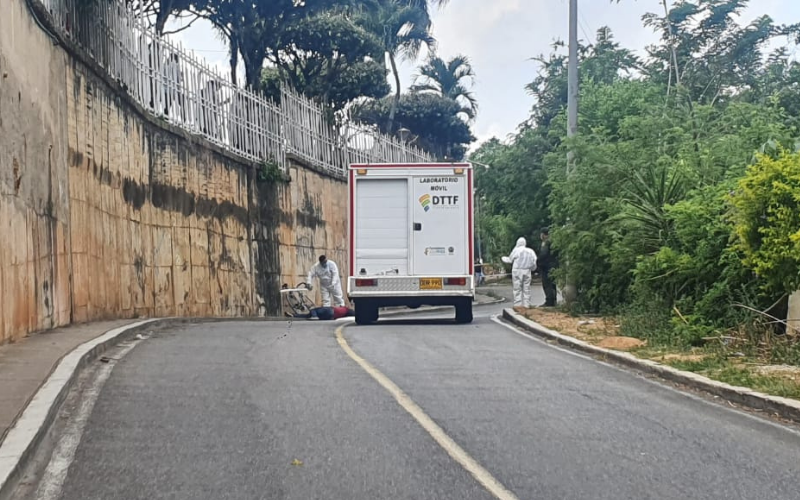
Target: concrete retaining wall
[(107, 212)]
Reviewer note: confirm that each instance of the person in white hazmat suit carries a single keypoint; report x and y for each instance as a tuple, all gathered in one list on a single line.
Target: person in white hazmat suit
[(524, 261), (329, 283)]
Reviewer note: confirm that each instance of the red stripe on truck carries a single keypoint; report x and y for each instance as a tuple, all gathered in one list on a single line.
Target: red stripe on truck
[(350, 223)]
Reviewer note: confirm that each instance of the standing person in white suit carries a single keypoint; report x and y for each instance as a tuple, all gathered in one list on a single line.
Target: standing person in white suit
[(330, 284), (524, 261)]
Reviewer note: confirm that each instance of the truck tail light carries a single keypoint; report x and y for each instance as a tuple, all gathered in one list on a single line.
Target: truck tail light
[(456, 281), (362, 282)]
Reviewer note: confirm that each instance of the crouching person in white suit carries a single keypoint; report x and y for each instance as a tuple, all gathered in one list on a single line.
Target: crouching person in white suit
[(330, 284)]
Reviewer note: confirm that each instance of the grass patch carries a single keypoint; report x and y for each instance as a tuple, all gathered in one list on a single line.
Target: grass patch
[(702, 366), (663, 354), (735, 373), (747, 357), (774, 385)]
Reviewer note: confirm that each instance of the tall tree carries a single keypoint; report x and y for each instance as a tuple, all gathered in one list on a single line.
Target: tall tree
[(431, 118), (256, 31), (705, 50), (450, 79), (404, 27), (329, 57), (549, 88), (604, 61)]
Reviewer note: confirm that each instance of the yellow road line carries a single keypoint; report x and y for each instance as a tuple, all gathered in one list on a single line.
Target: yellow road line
[(483, 476)]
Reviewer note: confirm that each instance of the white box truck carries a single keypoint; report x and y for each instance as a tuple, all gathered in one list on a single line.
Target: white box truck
[(411, 238)]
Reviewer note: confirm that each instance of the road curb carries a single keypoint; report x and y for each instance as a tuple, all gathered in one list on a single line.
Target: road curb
[(26, 433), (788, 409)]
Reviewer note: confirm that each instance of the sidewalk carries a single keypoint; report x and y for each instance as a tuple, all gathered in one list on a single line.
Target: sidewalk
[(25, 365)]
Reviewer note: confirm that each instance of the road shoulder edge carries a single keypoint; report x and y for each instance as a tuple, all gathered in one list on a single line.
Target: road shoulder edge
[(783, 407), (23, 438)]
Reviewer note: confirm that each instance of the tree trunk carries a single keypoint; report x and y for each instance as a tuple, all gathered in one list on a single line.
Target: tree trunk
[(252, 70), (234, 61), (396, 100), (673, 51), (678, 83), (333, 74), (164, 10)]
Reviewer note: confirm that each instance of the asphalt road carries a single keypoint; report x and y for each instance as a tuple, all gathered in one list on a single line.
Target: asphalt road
[(222, 410)]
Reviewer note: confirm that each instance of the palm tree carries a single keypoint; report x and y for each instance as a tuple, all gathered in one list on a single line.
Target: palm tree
[(450, 79), (404, 27)]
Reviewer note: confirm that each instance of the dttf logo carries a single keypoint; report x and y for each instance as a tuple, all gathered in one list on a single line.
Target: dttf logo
[(427, 201)]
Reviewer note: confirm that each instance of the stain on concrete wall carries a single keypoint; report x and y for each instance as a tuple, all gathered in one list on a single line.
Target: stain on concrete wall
[(105, 212), (34, 190), (160, 227), (314, 221)]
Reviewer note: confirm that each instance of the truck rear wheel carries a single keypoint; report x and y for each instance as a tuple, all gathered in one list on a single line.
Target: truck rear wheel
[(366, 313), (464, 312)]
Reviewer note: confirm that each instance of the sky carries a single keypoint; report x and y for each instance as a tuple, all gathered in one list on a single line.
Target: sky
[(502, 36)]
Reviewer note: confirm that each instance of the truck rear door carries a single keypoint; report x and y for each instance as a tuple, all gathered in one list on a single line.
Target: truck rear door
[(382, 226), (440, 222)]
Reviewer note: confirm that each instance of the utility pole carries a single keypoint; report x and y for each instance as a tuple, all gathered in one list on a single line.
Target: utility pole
[(570, 292), (572, 76)]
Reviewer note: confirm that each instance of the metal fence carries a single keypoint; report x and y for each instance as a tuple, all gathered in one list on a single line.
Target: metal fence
[(182, 88)]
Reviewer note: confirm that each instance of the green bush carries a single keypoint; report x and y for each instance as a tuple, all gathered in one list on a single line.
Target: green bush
[(271, 173), (766, 215), (699, 273)]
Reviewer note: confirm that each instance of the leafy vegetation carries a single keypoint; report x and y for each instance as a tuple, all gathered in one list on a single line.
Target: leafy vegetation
[(448, 79), (271, 173), (738, 375), (436, 112), (434, 121), (341, 53), (767, 217), (682, 212), (328, 57)]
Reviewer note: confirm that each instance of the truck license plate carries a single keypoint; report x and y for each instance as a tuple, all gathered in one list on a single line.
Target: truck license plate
[(430, 283)]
